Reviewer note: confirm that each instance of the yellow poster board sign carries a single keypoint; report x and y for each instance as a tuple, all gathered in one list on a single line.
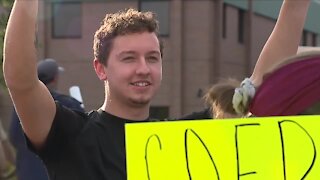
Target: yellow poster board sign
[(271, 148)]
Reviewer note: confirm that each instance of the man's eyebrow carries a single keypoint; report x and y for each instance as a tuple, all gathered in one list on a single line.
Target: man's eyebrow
[(154, 52), (126, 53), (133, 52)]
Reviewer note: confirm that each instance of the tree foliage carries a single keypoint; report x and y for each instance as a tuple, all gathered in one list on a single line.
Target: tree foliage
[(5, 7)]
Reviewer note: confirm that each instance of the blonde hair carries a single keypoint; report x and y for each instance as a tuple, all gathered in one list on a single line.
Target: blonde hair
[(219, 98)]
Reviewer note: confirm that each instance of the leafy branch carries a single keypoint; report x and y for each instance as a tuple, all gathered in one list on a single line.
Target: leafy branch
[(5, 7)]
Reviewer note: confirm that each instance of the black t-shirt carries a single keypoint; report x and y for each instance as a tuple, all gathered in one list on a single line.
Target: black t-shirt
[(85, 146)]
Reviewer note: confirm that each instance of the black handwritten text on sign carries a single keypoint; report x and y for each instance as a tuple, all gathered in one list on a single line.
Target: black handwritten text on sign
[(283, 148)]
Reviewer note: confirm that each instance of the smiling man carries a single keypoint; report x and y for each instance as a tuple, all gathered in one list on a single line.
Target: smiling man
[(75, 145), (132, 72)]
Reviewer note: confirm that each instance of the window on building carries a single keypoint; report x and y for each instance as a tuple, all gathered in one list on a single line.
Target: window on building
[(161, 9), (66, 20), (314, 39), (159, 112), (241, 22), (224, 20), (304, 40)]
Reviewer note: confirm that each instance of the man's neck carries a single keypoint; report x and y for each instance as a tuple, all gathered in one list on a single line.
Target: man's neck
[(126, 111)]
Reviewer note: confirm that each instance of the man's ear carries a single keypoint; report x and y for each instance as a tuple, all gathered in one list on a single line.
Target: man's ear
[(100, 70)]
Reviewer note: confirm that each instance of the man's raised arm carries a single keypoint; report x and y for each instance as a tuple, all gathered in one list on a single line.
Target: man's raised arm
[(32, 100)]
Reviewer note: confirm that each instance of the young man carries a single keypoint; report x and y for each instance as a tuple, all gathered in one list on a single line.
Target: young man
[(128, 60)]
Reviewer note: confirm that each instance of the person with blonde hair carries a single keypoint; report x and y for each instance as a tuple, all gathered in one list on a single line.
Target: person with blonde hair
[(219, 98), (229, 100), (291, 88)]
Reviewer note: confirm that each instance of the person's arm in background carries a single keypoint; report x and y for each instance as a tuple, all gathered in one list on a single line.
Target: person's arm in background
[(32, 100), (284, 39)]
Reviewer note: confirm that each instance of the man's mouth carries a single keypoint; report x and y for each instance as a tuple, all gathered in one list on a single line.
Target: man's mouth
[(141, 84)]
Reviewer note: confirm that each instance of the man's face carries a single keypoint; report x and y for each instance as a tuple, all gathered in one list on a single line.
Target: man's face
[(134, 68)]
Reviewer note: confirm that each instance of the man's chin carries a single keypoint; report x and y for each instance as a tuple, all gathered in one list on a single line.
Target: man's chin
[(140, 102)]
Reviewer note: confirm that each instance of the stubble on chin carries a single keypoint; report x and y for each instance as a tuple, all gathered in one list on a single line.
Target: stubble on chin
[(140, 102)]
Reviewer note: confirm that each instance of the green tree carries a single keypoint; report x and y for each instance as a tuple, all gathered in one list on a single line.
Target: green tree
[(5, 7)]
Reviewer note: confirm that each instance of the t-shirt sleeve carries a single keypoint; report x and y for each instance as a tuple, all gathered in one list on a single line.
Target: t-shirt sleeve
[(66, 126)]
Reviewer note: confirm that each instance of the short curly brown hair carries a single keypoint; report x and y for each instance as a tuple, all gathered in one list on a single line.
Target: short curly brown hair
[(122, 23)]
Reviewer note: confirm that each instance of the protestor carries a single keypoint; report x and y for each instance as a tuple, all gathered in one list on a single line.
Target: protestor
[(283, 43)]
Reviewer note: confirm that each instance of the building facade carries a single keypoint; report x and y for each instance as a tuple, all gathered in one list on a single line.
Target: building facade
[(205, 40)]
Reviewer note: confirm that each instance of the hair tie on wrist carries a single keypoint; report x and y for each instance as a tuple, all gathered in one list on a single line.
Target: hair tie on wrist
[(242, 96)]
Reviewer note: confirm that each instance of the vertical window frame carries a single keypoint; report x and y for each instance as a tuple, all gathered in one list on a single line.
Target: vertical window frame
[(314, 39), (224, 20), (241, 25), (304, 40)]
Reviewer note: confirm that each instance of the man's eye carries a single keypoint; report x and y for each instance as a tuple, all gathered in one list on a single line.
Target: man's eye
[(128, 59), (153, 59)]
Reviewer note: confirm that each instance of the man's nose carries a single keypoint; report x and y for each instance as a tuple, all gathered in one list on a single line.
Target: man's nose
[(143, 67)]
